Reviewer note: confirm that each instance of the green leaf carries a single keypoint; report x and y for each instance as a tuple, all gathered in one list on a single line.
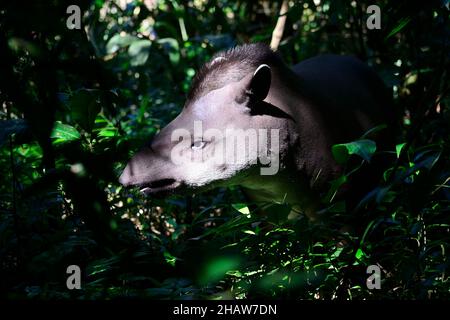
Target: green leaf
[(335, 185), (398, 148), (336, 253), (364, 148), (401, 24), (108, 132), (118, 41), (242, 208), (19, 44), (63, 132), (426, 159), (278, 231), (139, 51), (171, 46), (85, 106), (170, 259), (360, 254), (217, 268), (278, 212)]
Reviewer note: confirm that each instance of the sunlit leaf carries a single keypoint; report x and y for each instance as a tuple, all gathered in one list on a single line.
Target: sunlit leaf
[(119, 41), (398, 148), (401, 24), (241, 207), (108, 132), (63, 132), (364, 148), (360, 254), (217, 268), (139, 51), (170, 259)]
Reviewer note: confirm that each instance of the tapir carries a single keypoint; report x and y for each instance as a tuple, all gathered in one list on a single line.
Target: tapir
[(295, 115)]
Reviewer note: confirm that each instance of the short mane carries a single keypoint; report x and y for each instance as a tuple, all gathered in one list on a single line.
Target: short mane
[(230, 66)]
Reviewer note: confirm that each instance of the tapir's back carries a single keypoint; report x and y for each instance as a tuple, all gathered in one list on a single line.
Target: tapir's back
[(351, 97)]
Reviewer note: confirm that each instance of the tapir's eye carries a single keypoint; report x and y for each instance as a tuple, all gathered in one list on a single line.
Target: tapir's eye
[(198, 145)]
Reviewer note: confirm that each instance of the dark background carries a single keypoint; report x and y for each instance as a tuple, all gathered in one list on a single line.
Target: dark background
[(75, 105)]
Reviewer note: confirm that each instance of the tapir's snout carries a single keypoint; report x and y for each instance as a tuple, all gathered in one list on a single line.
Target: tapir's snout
[(126, 177), (151, 175)]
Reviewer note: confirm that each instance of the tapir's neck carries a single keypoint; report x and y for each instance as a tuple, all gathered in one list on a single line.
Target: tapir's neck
[(290, 93)]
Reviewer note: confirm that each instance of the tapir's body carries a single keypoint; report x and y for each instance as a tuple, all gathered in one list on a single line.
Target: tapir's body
[(322, 101)]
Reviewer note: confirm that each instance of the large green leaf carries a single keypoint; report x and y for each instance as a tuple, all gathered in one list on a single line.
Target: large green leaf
[(63, 133), (364, 148)]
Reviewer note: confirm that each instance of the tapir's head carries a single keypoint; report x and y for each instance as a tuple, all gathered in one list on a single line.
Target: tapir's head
[(225, 132)]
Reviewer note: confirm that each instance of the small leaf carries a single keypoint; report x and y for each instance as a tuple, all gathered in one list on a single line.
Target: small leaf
[(108, 132), (337, 253), (398, 148), (118, 41), (364, 148), (139, 51), (242, 208), (171, 46), (360, 254), (335, 185), (401, 24), (63, 132), (170, 259)]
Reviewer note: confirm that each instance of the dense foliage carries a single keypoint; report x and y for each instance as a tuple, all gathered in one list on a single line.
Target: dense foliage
[(75, 105)]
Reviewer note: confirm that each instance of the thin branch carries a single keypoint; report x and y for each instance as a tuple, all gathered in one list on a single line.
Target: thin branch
[(277, 33)]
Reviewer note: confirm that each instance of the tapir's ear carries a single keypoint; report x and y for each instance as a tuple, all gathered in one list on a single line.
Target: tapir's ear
[(260, 83)]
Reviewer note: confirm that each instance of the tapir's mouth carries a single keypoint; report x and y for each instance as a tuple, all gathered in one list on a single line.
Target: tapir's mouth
[(159, 187)]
